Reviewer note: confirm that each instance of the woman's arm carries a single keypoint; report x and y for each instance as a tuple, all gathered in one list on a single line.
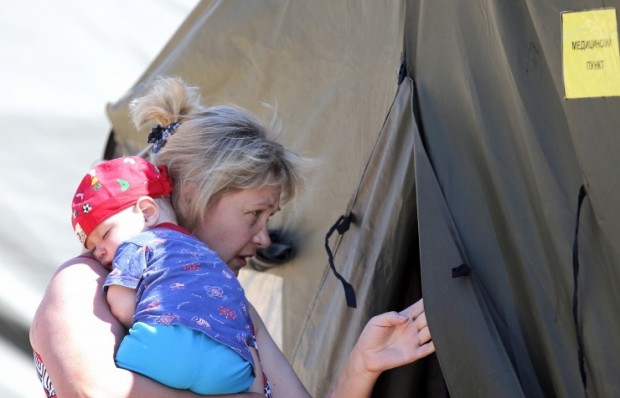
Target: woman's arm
[(259, 383), (389, 340), (284, 382), (76, 335)]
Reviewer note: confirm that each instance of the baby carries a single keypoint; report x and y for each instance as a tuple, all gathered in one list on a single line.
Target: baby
[(187, 315)]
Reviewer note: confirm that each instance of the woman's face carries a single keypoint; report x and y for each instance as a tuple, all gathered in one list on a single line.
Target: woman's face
[(237, 224)]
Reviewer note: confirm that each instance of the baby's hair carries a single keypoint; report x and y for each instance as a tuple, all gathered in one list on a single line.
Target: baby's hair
[(215, 149)]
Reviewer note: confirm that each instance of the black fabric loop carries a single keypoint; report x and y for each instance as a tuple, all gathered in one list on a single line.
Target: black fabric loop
[(461, 270), (580, 354), (342, 226)]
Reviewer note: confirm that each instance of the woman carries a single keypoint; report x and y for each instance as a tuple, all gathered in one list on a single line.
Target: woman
[(229, 179)]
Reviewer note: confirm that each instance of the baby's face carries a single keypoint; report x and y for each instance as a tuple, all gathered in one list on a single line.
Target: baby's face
[(108, 235)]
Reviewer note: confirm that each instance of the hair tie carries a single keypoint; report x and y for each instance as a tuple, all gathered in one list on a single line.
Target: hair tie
[(159, 135)]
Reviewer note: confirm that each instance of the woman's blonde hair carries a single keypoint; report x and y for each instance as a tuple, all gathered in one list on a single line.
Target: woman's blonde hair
[(214, 149)]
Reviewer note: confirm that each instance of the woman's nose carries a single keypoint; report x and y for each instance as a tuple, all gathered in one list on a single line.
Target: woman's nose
[(261, 239)]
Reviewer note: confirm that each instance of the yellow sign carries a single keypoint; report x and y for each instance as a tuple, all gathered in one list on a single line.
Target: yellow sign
[(590, 52)]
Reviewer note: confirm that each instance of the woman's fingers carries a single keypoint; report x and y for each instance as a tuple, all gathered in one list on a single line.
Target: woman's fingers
[(414, 310), (426, 349), (388, 319), (420, 321), (424, 335), (421, 325)]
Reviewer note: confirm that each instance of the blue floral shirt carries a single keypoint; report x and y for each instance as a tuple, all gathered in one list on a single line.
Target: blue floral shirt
[(180, 281)]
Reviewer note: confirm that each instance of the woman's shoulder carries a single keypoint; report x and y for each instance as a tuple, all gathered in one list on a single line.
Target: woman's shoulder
[(73, 313), (72, 283), (82, 265), (75, 283)]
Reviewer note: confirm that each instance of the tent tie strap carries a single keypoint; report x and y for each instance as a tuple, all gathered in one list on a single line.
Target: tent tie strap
[(461, 270), (342, 226), (580, 354)]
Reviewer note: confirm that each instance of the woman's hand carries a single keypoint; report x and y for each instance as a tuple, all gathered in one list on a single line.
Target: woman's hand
[(393, 339), (389, 340)]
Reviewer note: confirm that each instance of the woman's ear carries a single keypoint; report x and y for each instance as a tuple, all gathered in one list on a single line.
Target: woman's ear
[(149, 210)]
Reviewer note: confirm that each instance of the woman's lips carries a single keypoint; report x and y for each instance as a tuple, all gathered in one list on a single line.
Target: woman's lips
[(237, 263)]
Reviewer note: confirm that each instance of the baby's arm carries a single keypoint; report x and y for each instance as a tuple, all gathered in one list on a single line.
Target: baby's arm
[(122, 301)]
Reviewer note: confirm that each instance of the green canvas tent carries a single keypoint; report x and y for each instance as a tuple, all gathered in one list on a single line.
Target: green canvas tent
[(444, 134)]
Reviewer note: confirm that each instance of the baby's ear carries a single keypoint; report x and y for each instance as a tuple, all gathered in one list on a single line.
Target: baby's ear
[(149, 210)]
